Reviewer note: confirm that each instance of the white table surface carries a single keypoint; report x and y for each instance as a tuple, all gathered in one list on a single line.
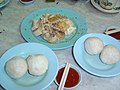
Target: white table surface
[(97, 22)]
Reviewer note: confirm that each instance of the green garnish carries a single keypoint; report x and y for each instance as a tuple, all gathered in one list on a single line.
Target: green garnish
[(97, 1), (109, 4), (116, 8)]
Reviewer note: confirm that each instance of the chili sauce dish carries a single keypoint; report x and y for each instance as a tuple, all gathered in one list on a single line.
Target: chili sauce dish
[(115, 32), (74, 77)]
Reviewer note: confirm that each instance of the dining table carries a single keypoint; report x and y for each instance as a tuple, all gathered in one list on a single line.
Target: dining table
[(12, 14)]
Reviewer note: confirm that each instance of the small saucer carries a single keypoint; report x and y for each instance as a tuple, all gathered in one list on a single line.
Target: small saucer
[(113, 35), (114, 10), (71, 75)]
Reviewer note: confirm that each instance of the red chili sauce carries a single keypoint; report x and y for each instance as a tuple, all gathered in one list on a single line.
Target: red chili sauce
[(26, 0), (115, 35), (72, 79)]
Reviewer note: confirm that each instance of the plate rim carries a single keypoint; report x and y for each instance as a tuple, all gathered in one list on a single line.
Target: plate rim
[(82, 66), (6, 2), (35, 86)]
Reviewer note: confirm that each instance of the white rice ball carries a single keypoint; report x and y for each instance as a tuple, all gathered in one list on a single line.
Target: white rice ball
[(110, 54), (16, 67), (37, 64), (93, 45)]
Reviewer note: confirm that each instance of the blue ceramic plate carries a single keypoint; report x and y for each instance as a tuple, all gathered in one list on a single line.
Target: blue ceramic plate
[(29, 82), (5, 2), (92, 63), (68, 41)]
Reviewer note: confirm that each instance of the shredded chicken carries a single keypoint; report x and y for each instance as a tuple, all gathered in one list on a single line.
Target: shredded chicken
[(53, 27)]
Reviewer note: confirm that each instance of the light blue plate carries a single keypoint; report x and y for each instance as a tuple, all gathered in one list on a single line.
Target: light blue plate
[(68, 41), (92, 63), (29, 82), (5, 2)]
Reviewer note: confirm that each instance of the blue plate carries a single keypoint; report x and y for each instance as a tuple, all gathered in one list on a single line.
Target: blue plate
[(92, 63), (29, 82), (5, 2), (68, 41)]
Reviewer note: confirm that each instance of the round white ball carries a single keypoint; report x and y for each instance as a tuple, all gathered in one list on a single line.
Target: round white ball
[(93, 45), (37, 64), (110, 54), (16, 67)]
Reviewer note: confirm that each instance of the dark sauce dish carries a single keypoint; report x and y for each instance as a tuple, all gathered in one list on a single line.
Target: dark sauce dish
[(114, 35), (26, 1), (74, 77)]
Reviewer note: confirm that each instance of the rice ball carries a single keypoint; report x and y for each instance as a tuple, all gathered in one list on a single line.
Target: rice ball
[(93, 45), (37, 64), (16, 67), (110, 54)]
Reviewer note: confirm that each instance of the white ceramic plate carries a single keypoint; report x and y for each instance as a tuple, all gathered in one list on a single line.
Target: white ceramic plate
[(29, 82), (96, 5), (92, 63)]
